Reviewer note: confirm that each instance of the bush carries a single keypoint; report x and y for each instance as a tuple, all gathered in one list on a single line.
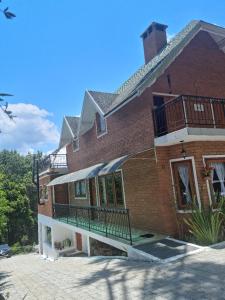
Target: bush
[(206, 225), (17, 248)]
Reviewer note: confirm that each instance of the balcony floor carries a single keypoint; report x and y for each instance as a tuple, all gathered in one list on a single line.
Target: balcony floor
[(100, 228)]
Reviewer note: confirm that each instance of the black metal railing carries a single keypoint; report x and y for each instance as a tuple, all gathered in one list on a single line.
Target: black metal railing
[(53, 161), (189, 111), (112, 222)]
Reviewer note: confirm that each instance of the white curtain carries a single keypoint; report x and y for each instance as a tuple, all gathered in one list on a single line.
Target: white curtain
[(219, 168), (184, 175)]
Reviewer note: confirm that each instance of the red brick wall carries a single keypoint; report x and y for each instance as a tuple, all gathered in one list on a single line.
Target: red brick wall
[(195, 149), (147, 200), (46, 208), (129, 131), (61, 195), (198, 70), (148, 186)]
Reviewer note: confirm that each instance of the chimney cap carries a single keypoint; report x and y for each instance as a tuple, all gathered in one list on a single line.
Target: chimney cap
[(151, 27)]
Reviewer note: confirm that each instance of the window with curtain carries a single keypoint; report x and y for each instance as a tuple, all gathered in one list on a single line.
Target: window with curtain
[(80, 189), (111, 190), (217, 180), (184, 183)]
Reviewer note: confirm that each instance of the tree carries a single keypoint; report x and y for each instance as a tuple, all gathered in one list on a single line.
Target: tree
[(18, 203)]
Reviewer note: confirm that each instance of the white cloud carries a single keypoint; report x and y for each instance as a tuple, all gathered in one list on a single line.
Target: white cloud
[(31, 130)]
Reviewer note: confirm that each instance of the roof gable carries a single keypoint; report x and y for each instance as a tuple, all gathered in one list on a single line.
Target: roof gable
[(69, 130)]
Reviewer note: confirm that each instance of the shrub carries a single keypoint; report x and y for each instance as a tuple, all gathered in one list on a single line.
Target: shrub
[(17, 248), (206, 225)]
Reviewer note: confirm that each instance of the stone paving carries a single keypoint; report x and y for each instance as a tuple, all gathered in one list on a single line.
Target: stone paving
[(199, 276)]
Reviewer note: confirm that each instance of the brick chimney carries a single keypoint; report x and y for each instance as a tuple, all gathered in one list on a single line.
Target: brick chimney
[(154, 39)]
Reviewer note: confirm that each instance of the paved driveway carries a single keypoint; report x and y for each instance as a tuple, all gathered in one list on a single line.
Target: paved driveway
[(200, 276)]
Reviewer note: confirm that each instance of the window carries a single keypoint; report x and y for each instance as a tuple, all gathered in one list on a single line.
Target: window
[(111, 190), (80, 189), (184, 184), (100, 124), (217, 180), (49, 235), (75, 144)]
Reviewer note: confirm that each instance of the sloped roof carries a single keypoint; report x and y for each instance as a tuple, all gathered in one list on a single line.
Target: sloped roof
[(73, 123), (150, 69), (69, 130), (149, 72), (103, 100)]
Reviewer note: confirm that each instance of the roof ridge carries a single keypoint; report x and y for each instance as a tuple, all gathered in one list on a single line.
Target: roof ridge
[(102, 92)]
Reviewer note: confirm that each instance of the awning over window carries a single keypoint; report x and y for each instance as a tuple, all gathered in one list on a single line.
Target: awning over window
[(78, 175), (113, 165), (96, 170)]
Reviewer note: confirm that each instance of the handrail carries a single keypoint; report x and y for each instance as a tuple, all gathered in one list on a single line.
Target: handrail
[(112, 222), (189, 111), (53, 161)]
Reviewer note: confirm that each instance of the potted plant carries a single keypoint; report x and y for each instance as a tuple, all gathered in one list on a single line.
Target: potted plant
[(58, 246), (67, 243), (206, 173)]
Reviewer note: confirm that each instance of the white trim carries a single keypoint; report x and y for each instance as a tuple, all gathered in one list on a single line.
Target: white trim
[(98, 107), (204, 157), (74, 186), (191, 158), (96, 128), (122, 104), (190, 134), (68, 126), (124, 196), (53, 194), (164, 94)]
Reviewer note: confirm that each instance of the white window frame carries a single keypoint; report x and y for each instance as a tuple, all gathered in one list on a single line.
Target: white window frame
[(123, 188), (204, 158), (96, 126), (190, 158), (78, 145), (74, 186)]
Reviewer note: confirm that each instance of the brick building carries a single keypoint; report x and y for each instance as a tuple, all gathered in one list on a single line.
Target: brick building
[(133, 162)]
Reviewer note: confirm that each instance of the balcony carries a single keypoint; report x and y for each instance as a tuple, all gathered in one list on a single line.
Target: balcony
[(110, 222), (54, 162), (190, 112)]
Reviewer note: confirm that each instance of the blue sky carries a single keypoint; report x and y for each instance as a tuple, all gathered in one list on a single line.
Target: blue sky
[(54, 50)]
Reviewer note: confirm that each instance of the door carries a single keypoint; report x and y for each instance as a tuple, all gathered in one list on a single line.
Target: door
[(78, 241), (160, 116)]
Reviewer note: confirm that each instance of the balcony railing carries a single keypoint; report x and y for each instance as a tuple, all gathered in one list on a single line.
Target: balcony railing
[(111, 222), (53, 161), (189, 111)]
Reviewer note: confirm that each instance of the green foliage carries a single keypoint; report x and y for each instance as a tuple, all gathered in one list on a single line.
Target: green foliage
[(17, 248), (18, 202), (206, 225)]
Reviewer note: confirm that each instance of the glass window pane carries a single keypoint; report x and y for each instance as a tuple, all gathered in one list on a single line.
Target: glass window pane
[(118, 189), (83, 188), (102, 190), (109, 189)]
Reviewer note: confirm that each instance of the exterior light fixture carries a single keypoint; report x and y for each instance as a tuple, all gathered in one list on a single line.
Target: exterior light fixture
[(183, 151)]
